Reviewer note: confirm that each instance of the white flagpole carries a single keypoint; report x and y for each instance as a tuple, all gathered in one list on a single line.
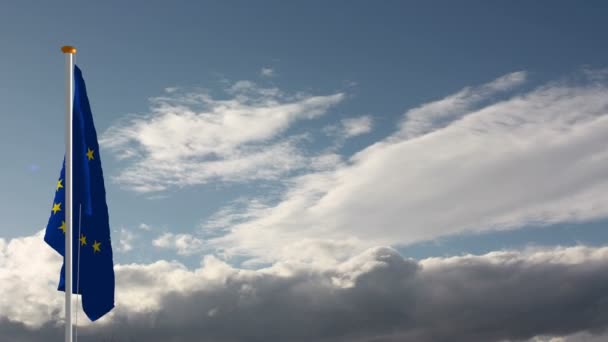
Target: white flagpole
[(69, 52)]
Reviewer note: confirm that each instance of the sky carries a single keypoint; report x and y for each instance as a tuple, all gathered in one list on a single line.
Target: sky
[(319, 170)]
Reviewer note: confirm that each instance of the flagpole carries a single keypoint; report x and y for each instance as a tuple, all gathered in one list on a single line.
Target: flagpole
[(69, 52)]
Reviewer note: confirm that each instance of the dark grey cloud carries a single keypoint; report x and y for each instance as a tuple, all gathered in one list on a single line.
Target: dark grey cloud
[(376, 296), (16, 331)]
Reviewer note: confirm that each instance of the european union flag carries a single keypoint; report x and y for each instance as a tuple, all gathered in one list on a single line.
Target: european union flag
[(93, 271)]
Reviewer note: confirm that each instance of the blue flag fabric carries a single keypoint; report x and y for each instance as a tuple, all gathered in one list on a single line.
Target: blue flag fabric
[(93, 271)]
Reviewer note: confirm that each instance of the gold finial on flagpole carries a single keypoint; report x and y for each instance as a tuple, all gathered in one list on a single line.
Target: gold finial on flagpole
[(68, 49)]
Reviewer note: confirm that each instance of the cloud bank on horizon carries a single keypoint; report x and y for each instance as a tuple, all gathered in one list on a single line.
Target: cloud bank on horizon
[(551, 294)]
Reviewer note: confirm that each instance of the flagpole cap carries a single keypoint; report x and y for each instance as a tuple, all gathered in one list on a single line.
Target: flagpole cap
[(68, 49)]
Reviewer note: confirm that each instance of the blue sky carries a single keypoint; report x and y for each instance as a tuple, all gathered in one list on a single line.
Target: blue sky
[(269, 133)]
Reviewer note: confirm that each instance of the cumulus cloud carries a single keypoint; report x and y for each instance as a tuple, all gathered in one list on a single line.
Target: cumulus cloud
[(537, 157), (189, 138), (183, 244), (376, 295), (29, 273)]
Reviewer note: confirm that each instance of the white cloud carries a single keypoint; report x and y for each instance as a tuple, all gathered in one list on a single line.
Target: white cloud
[(267, 72), (239, 210), (188, 139), (433, 115), (144, 227), (349, 127), (184, 244), (535, 158), (357, 126), (29, 272), (125, 240), (508, 295)]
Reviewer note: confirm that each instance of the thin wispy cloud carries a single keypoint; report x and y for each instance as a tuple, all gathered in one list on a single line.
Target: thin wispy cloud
[(349, 127), (357, 126), (190, 138), (267, 72), (144, 227), (533, 158), (431, 116)]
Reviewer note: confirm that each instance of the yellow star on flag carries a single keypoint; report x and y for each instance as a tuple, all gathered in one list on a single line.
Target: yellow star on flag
[(96, 247), (83, 240), (90, 154), (56, 207), (62, 227), (59, 184)]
